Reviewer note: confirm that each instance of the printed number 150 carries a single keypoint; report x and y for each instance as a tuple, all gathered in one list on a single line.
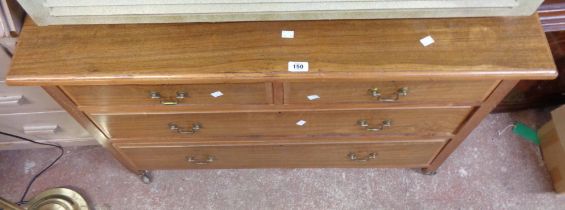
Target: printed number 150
[(297, 66)]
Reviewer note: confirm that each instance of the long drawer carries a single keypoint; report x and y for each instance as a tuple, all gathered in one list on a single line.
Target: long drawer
[(140, 95), (420, 92), (366, 122), (383, 154)]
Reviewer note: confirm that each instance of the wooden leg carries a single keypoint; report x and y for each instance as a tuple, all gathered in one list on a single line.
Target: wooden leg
[(83, 120), (495, 97)]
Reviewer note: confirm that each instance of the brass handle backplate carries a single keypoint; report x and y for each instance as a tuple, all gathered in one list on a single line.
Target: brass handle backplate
[(175, 128), (180, 95), (209, 159), (365, 124), (375, 92), (354, 157)]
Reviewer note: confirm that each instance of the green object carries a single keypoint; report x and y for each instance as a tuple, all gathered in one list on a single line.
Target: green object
[(526, 132)]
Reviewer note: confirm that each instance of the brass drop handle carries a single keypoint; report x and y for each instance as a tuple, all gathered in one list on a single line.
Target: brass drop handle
[(354, 157), (164, 101), (207, 160), (175, 128), (375, 92), (365, 124)]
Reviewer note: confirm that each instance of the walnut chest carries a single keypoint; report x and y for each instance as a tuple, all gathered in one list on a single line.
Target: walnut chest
[(348, 93)]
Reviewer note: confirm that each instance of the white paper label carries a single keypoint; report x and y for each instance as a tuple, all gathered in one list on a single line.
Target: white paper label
[(428, 40), (300, 122), (313, 97), (217, 94), (297, 66), (287, 34)]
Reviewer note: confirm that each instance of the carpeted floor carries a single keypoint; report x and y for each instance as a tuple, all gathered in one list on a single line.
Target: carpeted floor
[(487, 172)]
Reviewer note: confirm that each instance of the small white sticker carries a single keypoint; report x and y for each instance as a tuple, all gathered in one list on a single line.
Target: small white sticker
[(294, 66), (313, 97), (301, 123), (217, 94), (287, 34), (428, 40)]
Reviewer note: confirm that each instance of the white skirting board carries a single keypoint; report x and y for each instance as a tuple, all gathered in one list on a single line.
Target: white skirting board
[(58, 12)]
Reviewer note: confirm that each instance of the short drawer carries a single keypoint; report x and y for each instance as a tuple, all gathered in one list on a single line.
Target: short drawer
[(148, 95), (386, 154), (367, 122), (25, 100), (446, 92), (43, 126)]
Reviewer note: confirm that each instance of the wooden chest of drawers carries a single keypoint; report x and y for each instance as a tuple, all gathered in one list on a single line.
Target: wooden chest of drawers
[(169, 96)]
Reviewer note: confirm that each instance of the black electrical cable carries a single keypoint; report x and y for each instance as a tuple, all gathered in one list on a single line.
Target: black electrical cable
[(22, 200)]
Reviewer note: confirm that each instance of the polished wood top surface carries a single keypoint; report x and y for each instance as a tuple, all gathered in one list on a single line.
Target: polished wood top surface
[(464, 48)]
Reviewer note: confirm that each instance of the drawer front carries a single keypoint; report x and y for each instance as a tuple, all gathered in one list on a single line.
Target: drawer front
[(389, 154), (136, 95), (43, 126), (388, 92), (367, 122), (25, 100)]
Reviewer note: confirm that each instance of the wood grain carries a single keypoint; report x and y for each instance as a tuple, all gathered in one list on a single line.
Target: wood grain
[(109, 69), (470, 124), (421, 92), (466, 48), (83, 120), (404, 122), (139, 95), (277, 140), (389, 154), (278, 92), (101, 110)]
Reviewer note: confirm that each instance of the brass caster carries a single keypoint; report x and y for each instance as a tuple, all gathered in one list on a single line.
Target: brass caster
[(429, 173), (146, 177)]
